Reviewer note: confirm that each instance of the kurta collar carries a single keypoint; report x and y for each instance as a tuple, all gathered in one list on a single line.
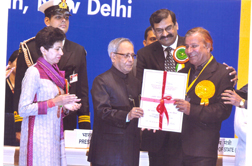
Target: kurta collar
[(118, 73)]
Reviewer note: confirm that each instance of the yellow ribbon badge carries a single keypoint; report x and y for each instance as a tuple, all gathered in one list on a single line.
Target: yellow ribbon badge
[(205, 90)]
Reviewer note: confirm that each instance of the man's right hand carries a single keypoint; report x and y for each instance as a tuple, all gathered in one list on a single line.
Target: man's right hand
[(136, 112)]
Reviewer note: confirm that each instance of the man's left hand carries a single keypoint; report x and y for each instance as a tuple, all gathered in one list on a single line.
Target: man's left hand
[(183, 106)]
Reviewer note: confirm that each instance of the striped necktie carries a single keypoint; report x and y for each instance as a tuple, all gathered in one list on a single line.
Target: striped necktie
[(169, 63)]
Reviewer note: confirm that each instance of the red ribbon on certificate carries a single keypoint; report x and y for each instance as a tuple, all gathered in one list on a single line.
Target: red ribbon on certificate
[(161, 107)]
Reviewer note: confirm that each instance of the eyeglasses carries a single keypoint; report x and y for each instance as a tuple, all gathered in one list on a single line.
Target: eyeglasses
[(167, 29), (127, 56)]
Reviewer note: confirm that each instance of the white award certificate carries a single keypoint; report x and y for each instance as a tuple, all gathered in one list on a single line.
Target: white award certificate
[(154, 94)]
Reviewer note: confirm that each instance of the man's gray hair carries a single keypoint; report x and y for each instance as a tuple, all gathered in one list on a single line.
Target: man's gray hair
[(114, 44)]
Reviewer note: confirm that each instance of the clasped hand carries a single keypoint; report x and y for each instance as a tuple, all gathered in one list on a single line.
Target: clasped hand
[(69, 101)]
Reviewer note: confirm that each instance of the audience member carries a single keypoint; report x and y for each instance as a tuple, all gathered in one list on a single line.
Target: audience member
[(9, 127)]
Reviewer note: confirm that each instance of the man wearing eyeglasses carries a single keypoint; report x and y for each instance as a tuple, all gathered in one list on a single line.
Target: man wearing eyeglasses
[(161, 146), (73, 62), (164, 26), (115, 94)]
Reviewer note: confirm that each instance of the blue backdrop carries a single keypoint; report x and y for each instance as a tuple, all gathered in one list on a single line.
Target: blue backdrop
[(94, 23)]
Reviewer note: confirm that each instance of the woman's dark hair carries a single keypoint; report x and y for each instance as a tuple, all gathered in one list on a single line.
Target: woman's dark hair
[(47, 37), (13, 56)]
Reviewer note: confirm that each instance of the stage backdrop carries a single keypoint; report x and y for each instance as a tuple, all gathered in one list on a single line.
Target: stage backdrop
[(94, 23)]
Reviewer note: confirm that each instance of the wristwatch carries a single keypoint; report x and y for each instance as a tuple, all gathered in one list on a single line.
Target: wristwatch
[(242, 102)]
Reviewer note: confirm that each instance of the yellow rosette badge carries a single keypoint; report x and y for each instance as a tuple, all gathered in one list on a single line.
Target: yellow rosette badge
[(205, 90)]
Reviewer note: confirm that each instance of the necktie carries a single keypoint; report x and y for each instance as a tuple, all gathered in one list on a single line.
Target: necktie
[(169, 63)]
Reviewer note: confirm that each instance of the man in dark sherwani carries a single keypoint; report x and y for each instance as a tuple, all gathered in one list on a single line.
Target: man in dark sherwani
[(115, 93)]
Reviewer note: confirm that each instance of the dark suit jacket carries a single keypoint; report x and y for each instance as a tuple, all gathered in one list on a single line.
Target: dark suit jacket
[(243, 92), (152, 57), (73, 61), (200, 131), (114, 141)]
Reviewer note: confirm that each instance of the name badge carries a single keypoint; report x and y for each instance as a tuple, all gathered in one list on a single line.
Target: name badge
[(73, 78)]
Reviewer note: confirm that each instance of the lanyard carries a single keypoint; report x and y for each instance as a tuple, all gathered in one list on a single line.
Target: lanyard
[(188, 88)]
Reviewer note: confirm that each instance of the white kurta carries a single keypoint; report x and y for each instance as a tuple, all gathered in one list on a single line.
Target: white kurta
[(45, 139), (240, 126)]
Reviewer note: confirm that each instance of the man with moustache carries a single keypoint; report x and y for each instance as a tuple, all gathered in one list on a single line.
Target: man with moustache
[(165, 26), (115, 94), (203, 108), (162, 147), (73, 62)]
